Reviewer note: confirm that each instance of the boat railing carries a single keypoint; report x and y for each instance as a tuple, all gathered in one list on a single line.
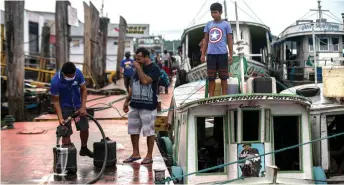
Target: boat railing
[(303, 71), (42, 69), (268, 176)]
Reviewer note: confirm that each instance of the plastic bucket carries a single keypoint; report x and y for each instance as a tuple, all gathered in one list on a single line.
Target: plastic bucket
[(159, 176)]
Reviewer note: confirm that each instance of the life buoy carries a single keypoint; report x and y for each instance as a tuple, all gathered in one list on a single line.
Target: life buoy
[(308, 92), (166, 144), (319, 175), (177, 171)]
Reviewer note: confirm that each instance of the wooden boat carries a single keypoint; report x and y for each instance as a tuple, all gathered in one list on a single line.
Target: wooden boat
[(257, 37), (240, 129), (293, 50), (326, 118)]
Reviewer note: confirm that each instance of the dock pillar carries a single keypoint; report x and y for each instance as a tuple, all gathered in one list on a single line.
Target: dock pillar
[(15, 61)]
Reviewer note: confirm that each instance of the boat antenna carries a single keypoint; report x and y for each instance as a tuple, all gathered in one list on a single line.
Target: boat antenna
[(240, 50), (101, 10), (225, 6), (319, 10), (315, 57)]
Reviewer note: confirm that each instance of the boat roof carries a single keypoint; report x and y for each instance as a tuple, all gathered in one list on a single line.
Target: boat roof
[(304, 25), (319, 102), (201, 26), (305, 29), (189, 92), (193, 94)]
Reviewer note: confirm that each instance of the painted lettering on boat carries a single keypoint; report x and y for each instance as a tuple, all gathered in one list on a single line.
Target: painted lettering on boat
[(249, 106), (251, 97)]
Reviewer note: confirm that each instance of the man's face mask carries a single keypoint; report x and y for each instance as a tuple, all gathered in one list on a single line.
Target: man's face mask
[(68, 78)]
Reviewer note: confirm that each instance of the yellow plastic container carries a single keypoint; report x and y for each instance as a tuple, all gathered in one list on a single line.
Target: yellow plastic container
[(217, 87), (333, 81)]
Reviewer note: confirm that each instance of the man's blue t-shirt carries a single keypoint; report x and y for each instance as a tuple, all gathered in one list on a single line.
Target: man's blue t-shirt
[(218, 32), (144, 96), (68, 91), (164, 77), (127, 65), (152, 57)]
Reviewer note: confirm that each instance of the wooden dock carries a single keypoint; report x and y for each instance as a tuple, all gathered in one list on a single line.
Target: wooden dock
[(28, 158)]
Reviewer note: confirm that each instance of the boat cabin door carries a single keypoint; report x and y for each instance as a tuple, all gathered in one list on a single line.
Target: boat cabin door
[(255, 130), (247, 139)]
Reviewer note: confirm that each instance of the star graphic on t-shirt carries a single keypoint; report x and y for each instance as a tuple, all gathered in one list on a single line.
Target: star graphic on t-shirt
[(214, 35)]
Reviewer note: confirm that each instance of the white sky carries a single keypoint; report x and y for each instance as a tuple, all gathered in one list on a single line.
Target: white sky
[(171, 17)]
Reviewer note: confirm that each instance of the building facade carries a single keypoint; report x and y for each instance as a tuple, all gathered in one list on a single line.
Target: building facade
[(151, 42), (35, 20)]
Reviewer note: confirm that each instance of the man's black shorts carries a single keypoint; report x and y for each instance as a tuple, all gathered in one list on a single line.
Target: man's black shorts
[(81, 125), (217, 63)]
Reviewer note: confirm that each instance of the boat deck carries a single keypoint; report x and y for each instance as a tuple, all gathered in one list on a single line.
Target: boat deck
[(28, 158)]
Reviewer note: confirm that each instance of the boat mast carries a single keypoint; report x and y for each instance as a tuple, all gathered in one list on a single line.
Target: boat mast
[(240, 51), (319, 10), (225, 5), (315, 58)]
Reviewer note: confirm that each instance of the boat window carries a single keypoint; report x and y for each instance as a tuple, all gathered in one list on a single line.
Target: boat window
[(310, 43), (336, 145), (234, 126), (287, 133), (250, 125), (335, 44), (210, 143), (267, 124), (324, 45)]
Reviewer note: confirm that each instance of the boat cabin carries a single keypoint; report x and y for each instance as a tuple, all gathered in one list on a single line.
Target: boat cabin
[(257, 41), (222, 129), (295, 49), (326, 118)]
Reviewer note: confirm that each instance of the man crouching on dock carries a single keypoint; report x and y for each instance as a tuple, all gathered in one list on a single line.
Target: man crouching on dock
[(143, 105), (69, 95)]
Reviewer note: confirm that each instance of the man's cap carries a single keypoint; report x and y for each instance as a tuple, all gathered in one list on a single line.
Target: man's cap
[(246, 144)]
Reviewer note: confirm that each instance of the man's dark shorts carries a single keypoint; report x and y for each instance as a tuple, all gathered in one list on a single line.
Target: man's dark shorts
[(81, 125), (127, 82), (217, 63)]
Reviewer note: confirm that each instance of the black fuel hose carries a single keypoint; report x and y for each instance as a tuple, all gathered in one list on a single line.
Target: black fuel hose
[(105, 152), (105, 145)]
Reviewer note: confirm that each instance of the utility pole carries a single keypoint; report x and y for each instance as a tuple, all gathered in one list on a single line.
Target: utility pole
[(121, 44), (96, 69), (103, 26), (87, 39), (225, 6), (14, 23), (62, 31), (45, 50)]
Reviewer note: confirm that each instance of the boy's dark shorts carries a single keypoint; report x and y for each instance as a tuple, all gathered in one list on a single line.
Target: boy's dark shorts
[(81, 125), (217, 63)]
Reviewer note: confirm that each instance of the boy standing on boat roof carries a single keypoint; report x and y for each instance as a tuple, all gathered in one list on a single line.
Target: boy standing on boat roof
[(218, 33), (143, 103), (69, 94)]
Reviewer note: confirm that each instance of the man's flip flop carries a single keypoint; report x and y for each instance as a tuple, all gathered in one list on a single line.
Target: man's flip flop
[(131, 159), (147, 161)]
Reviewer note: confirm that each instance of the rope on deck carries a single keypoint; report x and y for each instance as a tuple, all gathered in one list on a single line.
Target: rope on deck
[(168, 179)]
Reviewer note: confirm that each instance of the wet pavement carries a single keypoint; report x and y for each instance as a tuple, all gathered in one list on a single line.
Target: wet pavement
[(28, 158)]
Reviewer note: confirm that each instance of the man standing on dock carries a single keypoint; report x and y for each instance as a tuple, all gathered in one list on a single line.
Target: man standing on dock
[(69, 95), (218, 33), (127, 69), (143, 103)]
